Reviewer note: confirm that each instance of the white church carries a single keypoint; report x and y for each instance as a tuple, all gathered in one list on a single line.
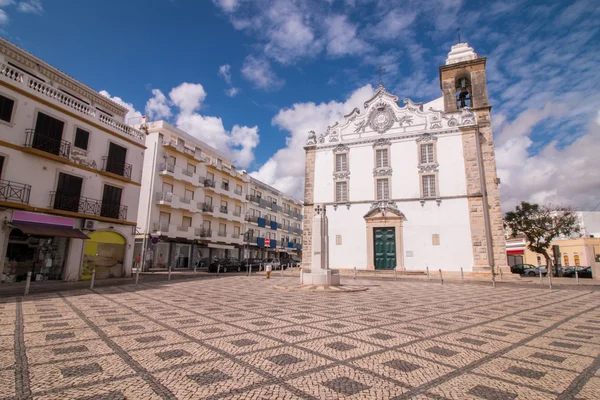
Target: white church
[(411, 185)]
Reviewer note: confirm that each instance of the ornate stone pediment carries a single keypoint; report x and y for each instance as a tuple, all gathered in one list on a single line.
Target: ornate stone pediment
[(382, 172), (384, 209), (341, 148)]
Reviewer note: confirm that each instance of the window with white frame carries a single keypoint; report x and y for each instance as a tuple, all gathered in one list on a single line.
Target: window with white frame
[(383, 189), (427, 153), (428, 182), (382, 158), (341, 162), (341, 191)]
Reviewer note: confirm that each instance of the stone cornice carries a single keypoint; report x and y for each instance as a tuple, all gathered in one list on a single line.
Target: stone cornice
[(55, 75), (415, 199)]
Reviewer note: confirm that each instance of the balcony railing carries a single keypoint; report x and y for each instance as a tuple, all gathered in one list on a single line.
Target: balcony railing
[(185, 200), (162, 167), (237, 213), (209, 183), (186, 172), (225, 186), (39, 141), (14, 192), (253, 198), (183, 228), (85, 205), (207, 207), (189, 151), (223, 209), (197, 231), (238, 191), (235, 235), (116, 167), (205, 233), (167, 197), (251, 218), (222, 234), (158, 227)]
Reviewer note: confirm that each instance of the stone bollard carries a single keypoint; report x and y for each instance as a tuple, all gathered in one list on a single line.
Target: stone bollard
[(301, 276), (282, 270), (462, 275), (354, 272), (218, 269), (27, 283), (441, 277), (137, 276), (427, 268), (169, 273), (576, 276), (549, 278), (194, 270), (541, 278), (500, 270), (395, 276), (93, 279)]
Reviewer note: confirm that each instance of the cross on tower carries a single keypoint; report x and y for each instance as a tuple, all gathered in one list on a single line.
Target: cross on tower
[(318, 209), (379, 72), (458, 33)]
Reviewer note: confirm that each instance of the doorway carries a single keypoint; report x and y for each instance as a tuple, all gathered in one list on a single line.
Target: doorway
[(384, 241)]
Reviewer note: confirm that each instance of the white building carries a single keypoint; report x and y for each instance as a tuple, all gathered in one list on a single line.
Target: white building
[(70, 172), (411, 186), (196, 205)]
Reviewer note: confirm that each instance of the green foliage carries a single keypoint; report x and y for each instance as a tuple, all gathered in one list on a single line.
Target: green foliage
[(541, 225)]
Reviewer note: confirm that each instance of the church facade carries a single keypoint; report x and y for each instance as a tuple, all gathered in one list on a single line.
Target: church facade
[(411, 185)]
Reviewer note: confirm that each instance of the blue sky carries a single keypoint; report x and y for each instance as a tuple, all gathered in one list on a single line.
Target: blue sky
[(253, 77)]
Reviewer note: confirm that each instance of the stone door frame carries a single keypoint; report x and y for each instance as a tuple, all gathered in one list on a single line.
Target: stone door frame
[(383, 219)]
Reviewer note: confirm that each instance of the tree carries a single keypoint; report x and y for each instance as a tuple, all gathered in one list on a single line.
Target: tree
[(541, 225)]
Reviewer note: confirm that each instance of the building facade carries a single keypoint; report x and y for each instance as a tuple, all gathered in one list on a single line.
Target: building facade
[(70, 171), (411, 186), (195, 205)]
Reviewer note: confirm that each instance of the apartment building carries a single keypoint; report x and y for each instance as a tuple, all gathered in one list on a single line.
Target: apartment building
[(272, 215), (70, 171), (192, 201)]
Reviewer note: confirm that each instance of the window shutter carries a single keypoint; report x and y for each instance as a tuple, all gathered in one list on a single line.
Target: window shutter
[(382, 158), (427, 153), (341, 191), (340, 163), (428, 185), (383, 189)]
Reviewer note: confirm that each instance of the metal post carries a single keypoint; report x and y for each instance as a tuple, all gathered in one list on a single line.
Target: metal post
[(301, 276), (395, 276), (576, 275), (169, 272), (282, 270), (549, 278), (441, 277), (93, 279), (462, 275), (541, 278), (27, 283), (427, 272), (354, 272), (500, 270), (218, 269), (137, 276), (195, 269)]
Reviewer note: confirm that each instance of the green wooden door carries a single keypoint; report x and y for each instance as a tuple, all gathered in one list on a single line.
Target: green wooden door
[(385, 248)]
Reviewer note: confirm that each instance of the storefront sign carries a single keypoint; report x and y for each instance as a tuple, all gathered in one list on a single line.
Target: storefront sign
[(24, 216)]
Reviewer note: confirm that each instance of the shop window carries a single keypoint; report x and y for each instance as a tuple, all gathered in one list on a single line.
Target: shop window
[(82, 138), (6, 108)]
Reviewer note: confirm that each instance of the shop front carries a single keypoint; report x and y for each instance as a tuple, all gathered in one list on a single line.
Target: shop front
[(104, 252), (39, 243)]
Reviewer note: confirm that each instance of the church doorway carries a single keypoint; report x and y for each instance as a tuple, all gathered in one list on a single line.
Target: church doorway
[(385, 247)]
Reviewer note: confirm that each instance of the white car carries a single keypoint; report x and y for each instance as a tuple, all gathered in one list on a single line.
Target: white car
[(535, 271), (274, 262)]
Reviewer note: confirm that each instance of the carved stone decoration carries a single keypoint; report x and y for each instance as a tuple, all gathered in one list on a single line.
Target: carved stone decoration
[(467, 117), (427, 137), (347, 206), (334, 139), (384, 207), (322, 139), (438, 201), (353, 114), (312, 138), (382, 172), (429, 167), (382, 142), (360, 127), (452, 122), (435, 122), (407, 119), (341, 148), (341, 175), (381, 118)]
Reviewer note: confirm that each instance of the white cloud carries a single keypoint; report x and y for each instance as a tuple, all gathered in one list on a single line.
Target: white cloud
[(285, 169), (3, 17), (225, 73), (157, 107), (342, 37), (232, 92), (259, 72), (5, 3), (30, 6), (188, 97), (227, 5), (132, 114), (394, 24)]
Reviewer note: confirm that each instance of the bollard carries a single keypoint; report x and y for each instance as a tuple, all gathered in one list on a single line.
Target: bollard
[(169, 273), (395, 276), (93, 279), (441, 277), (500, 270), (354, 272), (301, 276), (194, 270), (27, 283), (576, 276), (282, 270), (541, 278), (462, 275), (549, 278), (218, 269), (427, 272), (137, 276)]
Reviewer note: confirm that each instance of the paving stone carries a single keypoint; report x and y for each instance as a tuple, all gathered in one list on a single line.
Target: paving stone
[(345, 386), (51, 316), (114, 395), (382, 336), (548, 357), (514, 326), (127, 328), (578, 336), (244, 342), (489, 393), (475, 342), (149, 339), (170, 354), (212, 330), (261, 323), (340, 346), (209, 377), (529, 319), (402, 365), (55, 324), (70, 350), (284, 359), (525, 372), (60, 335), (336, 325), (440, 351), (117, 319), (588, 328), (295, 333), (565, 345), (81, 370), (495, 333)]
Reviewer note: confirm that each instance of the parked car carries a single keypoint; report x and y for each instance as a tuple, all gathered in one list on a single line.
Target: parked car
[(227, 264), (568, 272), (253, 263), (203, 263), (535, 271), (275, 263), (586, 273), (519, 268)]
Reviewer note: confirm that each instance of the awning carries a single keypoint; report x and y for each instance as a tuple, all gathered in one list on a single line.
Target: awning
[(221, 246), (49, 230), (515, 251)]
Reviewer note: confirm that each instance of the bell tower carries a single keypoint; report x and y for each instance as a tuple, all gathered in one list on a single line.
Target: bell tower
[(463, 84)]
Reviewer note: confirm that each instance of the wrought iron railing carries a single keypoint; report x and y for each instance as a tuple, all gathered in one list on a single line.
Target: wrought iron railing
[(38, 140), (14, 192), (116, 167), (223, 209), (167, 197), (225, 186), (158, 227), (86, 205), (209, 183), (166, 167), (253, 198), (251, 218), (207, 207), (205, 233)]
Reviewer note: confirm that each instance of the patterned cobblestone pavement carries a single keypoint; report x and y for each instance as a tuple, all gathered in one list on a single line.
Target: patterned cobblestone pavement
[(241, 338)]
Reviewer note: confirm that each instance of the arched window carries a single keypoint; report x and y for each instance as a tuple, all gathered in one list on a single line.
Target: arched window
[(463, 93), (576, 258), (566, 260)]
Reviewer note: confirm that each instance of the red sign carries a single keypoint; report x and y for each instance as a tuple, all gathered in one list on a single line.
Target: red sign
[(267, 242)]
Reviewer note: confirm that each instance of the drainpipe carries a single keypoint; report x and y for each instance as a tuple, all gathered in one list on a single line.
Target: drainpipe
[(147, 230), (486, 211)]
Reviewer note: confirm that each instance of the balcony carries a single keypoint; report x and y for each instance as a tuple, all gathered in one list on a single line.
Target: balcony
[(164, 197), (223, 210), (235, 235), (160, 227), (165, 168), (39, 141), (225, 186), (209, 183), (205, 207), (14, 192), (85, 205), (238, 191), (187, 173), (116, 167), (237, 213), (222, 234), (183, 228), (251, 218), (252, 198), (185, 200), (205, 233)]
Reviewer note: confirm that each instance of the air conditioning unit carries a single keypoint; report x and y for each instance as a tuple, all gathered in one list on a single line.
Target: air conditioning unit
[(89, 224)]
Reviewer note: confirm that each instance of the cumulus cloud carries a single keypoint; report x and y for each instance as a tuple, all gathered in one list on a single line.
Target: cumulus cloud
[(225, 73), (157, 106), (30, 6), (342, 37), (259, 72), (285, 169), (132, 114)]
